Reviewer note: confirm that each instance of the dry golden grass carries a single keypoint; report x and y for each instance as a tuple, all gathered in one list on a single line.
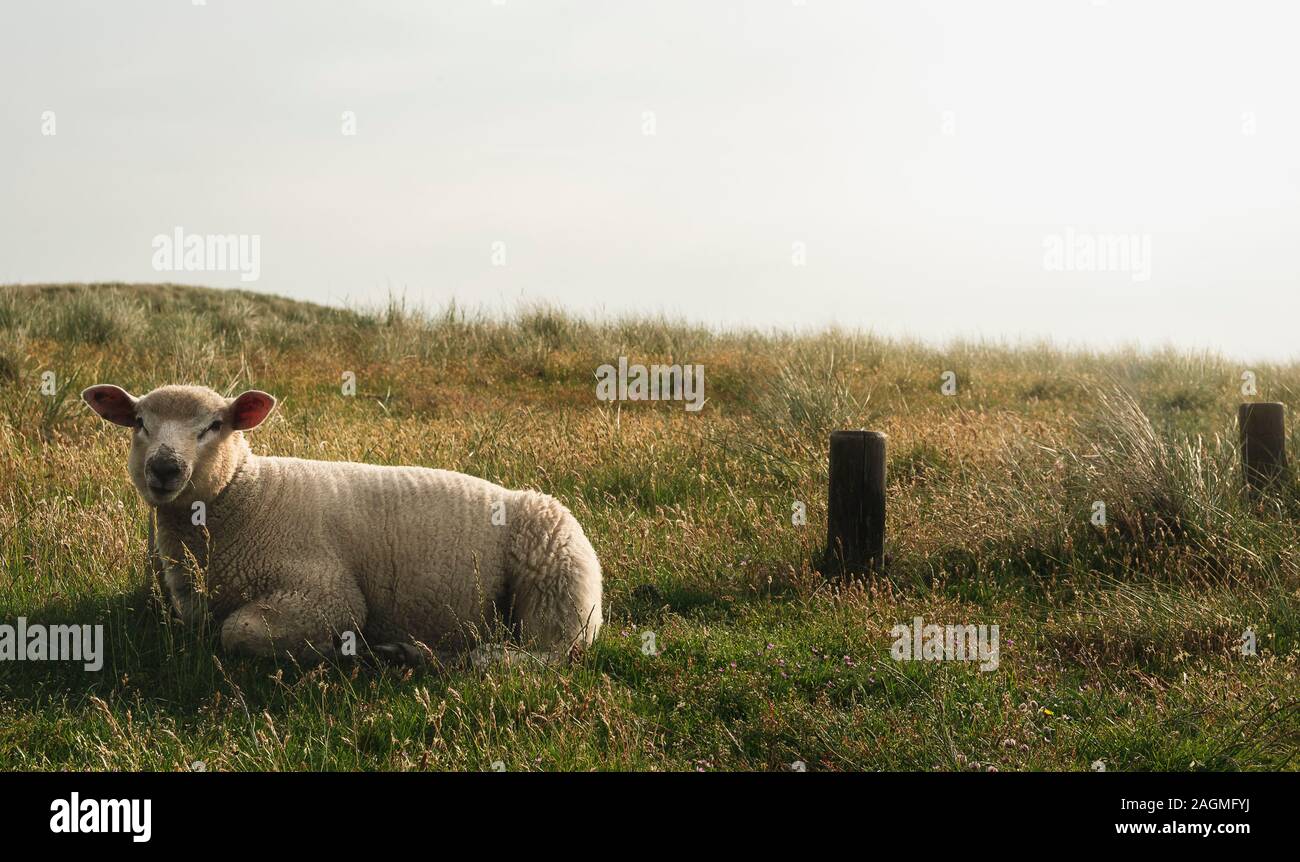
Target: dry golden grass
[(1118, 643)]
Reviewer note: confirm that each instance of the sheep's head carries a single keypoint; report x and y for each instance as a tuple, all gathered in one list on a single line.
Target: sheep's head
[(186, 440)]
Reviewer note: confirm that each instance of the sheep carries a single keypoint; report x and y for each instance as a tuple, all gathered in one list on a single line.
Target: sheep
[(293, 557)]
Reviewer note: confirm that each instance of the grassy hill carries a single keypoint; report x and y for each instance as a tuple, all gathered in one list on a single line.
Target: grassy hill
[(1118, 643)]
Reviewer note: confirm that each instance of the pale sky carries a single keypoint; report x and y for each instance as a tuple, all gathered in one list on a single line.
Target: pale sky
[(895, 166)]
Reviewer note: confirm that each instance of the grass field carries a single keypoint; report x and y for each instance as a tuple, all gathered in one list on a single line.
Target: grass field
[(1119, 643)]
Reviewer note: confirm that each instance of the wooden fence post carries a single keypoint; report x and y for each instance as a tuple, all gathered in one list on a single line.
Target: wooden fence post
[(855, 534), (1263, 442)]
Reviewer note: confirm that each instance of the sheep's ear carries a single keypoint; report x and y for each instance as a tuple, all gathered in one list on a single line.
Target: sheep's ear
[(249, 409), (112, 402)]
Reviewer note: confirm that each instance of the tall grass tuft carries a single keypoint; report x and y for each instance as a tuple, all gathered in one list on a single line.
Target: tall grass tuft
[(97, 319)]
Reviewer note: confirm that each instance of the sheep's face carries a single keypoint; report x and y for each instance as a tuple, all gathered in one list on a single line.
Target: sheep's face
[(185, 439)]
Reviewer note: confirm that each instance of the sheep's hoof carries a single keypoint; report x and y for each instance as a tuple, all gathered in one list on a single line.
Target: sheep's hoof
[(408, 655), (486, 656)]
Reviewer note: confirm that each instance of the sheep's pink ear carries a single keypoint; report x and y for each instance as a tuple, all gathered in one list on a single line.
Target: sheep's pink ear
[(112, 402), (249, 409)]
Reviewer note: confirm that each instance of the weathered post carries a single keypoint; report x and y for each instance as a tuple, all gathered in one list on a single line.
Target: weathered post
[(855, 535), (1263, 442)]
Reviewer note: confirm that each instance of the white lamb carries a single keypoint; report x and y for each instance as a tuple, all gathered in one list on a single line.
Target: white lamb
[(290, 556)]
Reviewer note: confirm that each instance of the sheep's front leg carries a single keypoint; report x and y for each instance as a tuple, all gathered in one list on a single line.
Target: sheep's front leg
[(289, 624), (187, 602)]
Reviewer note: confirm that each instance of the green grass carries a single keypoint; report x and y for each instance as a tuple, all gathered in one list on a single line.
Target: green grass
[(1118, 643)]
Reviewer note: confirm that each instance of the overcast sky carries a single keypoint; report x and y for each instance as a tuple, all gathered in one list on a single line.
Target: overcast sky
[(928, 168)]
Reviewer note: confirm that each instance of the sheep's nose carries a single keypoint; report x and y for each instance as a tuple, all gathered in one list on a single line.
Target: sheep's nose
[(165, 470)]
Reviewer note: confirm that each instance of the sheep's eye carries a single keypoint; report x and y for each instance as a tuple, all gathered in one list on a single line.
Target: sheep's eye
[(215, 426), (139, 423)]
